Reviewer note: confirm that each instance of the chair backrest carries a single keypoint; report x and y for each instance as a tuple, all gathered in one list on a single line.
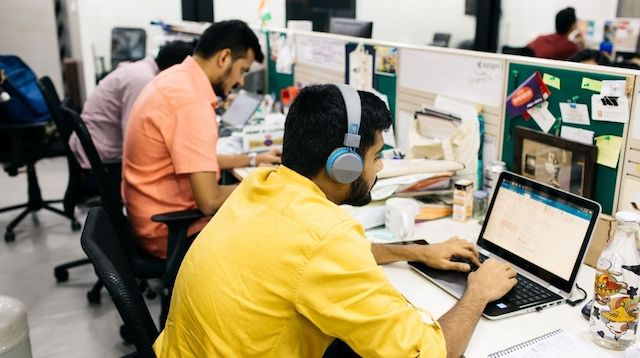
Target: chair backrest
[(441, 39), (100, 243), (108, 182), (53, 103), (127, 44)]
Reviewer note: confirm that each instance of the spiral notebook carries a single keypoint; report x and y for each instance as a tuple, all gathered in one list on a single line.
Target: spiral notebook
[(559, 343)]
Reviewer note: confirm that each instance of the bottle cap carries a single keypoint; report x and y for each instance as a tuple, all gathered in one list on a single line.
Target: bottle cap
[(480, 194)]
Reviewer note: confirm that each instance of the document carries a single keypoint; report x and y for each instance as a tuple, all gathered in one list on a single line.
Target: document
[(608, 150), (575, 113), (609, 108), (591, 84), (551, 81), (614, 88), (540, 113), (577, 135), (556, 344)]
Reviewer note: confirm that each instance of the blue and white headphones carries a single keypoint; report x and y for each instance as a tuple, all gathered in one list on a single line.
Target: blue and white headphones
[(344, 165)]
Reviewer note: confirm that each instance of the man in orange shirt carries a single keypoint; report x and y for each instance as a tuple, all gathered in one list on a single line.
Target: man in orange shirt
[(169, 160)]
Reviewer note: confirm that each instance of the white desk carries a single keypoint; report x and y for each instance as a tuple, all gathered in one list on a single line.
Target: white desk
[(491, 336)]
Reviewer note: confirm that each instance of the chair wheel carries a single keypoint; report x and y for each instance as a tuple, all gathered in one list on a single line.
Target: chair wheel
[(9, 236), (61, 275), (150, 294), (75, 225), (124, 334), (93, 297)]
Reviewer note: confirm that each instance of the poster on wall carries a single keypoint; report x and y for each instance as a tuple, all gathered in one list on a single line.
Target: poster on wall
[(386, 60)]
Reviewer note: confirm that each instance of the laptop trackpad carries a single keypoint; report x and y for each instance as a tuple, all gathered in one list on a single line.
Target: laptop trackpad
[(454, 282)]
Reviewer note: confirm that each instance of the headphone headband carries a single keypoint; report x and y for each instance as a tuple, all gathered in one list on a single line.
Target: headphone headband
[(353, 106)]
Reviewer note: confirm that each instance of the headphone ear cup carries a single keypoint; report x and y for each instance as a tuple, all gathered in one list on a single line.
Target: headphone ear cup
[(344, 165)]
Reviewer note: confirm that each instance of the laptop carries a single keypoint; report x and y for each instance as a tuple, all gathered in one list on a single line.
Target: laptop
[(241, 109), (542, 231)]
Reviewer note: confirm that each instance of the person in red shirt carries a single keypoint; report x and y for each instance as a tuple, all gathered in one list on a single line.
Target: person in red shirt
[(559, 46)]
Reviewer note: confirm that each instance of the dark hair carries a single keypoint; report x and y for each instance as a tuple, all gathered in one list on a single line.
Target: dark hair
[(565, 19), (235, 35), (316, 125), (173, 53), (585, 55)]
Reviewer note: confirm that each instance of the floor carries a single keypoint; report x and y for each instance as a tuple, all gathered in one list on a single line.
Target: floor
[(61, 321)]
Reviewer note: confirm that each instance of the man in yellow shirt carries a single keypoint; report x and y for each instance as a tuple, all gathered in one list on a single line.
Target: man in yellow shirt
[(281, 270)]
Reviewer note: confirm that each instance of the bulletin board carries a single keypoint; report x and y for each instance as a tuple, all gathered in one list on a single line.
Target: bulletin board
[(570, 88)]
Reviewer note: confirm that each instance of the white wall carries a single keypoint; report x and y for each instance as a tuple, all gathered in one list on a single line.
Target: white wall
[(522, 20), (415, 21), (96, 18), (28, 30), (247, 10)]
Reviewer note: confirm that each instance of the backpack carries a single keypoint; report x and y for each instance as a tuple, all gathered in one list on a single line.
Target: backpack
[(26, 103)]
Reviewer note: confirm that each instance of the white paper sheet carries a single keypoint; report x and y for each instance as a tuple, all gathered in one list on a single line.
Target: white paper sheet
[(574, 113), (610, 113), (577, 135), (327, 53), (540, 113)]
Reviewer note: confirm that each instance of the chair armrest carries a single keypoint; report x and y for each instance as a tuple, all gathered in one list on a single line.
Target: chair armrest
[(188, 216), (178, 223)]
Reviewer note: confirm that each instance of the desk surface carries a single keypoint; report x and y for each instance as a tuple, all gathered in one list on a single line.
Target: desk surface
[(491, 336)]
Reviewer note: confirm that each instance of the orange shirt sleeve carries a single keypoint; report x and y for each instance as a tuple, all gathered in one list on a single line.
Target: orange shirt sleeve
[(192, 139)]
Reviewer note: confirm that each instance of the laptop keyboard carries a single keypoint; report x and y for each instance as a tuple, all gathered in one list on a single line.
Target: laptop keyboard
[(525, 291)]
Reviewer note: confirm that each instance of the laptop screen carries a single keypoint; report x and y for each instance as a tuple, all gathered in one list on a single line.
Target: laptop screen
[(539, 228), (241, 109)]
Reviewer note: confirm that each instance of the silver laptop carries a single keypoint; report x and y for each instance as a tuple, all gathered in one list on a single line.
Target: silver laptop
[(241, 109), (542, 231)]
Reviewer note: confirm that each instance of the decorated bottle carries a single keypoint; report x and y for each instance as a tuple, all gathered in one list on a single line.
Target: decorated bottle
[(614, 315)]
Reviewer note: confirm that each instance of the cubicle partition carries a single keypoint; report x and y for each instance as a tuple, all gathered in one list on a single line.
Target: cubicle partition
[(484, 80)]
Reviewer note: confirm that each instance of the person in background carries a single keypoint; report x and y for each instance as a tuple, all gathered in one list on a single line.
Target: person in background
[(565, 42), (107, 109), (281, 270), (591, 57), (170, 160)]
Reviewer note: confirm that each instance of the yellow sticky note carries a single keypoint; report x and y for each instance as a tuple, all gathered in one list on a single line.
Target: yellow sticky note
[(591, 85), (608, 150), (551, 80)]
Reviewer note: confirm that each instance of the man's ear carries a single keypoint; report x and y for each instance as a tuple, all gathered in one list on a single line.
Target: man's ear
[(224, 58)]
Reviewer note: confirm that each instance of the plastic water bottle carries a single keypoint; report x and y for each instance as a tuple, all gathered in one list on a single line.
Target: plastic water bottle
[(614, 315)]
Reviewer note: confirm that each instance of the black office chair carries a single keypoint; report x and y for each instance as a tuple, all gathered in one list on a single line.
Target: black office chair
[(82, 186), (28, 143), (144, 266), (519, 51), (101, 243)]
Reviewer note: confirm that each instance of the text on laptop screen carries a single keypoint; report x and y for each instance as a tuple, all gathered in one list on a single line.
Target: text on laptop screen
[(544, 230)]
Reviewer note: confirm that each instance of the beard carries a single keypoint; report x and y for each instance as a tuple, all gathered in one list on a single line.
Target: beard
[(360, 193), (218, 87)]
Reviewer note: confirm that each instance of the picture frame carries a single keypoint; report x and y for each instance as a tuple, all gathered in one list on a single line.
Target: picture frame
[(555, 161)]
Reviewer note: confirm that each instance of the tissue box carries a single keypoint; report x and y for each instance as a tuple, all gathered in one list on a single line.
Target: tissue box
[(261, 138)]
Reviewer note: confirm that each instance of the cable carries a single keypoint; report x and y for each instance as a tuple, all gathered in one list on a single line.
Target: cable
[(575, 302)]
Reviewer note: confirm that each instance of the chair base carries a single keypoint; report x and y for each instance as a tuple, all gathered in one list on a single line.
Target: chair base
[(10, 236), (34, 204)]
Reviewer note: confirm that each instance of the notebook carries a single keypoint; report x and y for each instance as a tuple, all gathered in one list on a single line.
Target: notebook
[(556, 344), (542, 231)]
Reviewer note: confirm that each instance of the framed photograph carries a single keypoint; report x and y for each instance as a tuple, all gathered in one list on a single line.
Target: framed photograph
[(555, 161)]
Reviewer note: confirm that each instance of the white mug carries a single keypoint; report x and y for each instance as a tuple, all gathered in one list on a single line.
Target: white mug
[(399, 217)]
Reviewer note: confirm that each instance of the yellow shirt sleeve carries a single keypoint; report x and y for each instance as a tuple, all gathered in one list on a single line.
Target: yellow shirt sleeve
[(346, 295)]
